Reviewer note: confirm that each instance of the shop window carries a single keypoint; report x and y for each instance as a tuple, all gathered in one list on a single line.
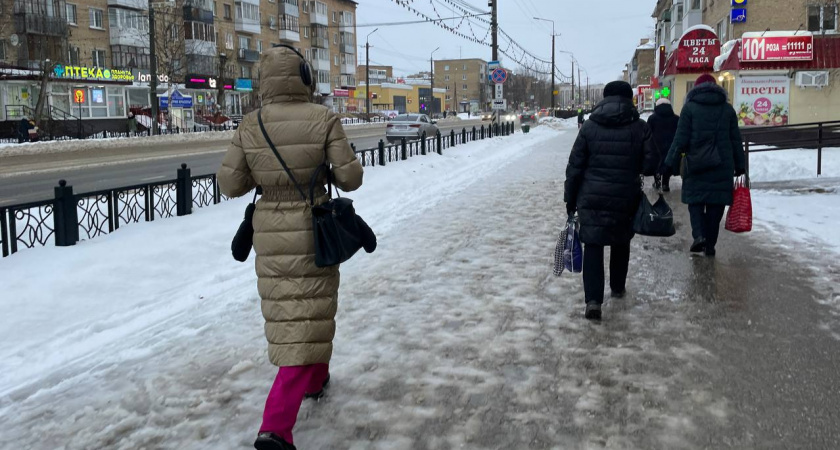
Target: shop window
[(72, 19), (98, 58), (116, 102), (96, 18), (138, 98)]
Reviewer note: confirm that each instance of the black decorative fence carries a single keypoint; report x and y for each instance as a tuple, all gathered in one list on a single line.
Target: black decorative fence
[(68, 217)]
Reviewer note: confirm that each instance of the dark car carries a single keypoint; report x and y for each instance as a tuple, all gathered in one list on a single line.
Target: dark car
[(528, 117)]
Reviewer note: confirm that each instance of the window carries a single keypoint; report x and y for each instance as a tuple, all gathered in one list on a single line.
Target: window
[(290, 23), (465, 87), (248, 12), (446, 68), (245, 71), (72, 19), (335, 58), (199, 31), (73, 56), (2, 50), (244, 42), (464, 77), (305, 5), (98, 58), (259, 46), (272, 22), (131, 57), (447, 87), (323, 76), (128, 19), (722, 30), (305, 30), (229, 41), (347, 18), (446, 78), (695, 4), (335, 38), (96, 18), (320, 8), (822, 18), (116, 102), (307, 54), (465, 67), (227, 11), (335, 17), (214, 7)]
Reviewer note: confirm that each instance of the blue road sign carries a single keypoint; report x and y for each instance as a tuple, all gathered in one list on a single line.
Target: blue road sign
[(739, 15)]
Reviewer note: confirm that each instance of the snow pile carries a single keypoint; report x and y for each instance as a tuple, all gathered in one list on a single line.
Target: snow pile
[(806, 216), (797, 164)]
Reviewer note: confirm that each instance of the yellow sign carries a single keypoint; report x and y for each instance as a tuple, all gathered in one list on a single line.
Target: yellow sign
[(79, 95), (556, 92), (93, 73)]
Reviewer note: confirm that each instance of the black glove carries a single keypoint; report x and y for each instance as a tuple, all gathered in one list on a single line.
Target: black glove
[(570, 209), (739, 172)]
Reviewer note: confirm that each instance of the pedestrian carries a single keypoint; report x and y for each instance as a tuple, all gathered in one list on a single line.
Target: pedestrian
[(612, 150), (663, 124), (299, 299), (580, 118), (132, 124), (23, 129), (707, 119), (33, 131)]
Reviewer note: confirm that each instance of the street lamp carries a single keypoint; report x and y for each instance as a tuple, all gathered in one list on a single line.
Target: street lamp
[(552, 61), (367, 73), (432, 63)]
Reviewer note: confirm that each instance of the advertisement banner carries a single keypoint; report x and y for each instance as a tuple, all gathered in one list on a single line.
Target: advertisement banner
[(756, 47), (698, 48), (762, 101)]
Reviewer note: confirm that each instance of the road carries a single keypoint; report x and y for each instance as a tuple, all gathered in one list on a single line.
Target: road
[(29, 178)]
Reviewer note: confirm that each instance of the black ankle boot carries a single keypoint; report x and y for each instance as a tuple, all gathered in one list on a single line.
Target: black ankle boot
[(270, 441), (318, 395), (698, 246), (593, 311)]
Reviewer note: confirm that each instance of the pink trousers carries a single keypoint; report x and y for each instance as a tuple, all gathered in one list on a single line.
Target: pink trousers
[(286, 395)]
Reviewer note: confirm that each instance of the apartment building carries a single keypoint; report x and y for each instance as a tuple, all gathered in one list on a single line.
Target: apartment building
[(466, 84), (378, 74), (98, 54), (790, 48)]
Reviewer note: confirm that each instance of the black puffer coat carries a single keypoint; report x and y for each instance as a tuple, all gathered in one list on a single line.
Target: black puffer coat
[(706, 117), (612, 150), (663, 125)]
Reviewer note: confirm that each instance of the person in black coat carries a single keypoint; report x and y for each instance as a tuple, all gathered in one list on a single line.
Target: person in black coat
[(663, 125), (603, 185), (23, 130), (707, 121)]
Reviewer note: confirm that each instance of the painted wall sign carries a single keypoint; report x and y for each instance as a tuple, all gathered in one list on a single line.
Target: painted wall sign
[(92, 73), (762, 101), (738, 15), (698, 48), (777, 46), (78, 96)]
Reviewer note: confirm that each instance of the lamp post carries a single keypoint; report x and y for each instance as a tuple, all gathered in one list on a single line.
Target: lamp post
[(367, 73), (552, 61), (432, 63)]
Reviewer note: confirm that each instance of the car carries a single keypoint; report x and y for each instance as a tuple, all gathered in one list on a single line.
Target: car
[(527, 117), (508, 117), (410, 127), (487, 116)]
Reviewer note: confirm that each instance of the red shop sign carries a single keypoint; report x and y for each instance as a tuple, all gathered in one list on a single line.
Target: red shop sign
[(778, 46), (341, 93), (698, 48)]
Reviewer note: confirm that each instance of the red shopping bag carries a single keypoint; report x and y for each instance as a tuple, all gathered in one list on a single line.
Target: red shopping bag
[(739, 217)]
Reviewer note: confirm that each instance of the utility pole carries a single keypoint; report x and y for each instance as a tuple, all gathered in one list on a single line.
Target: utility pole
[(580, 85), (432, 64), (588, 92), (367, 74), (494, 27), (553, 35), (573, 84), (153, 68)]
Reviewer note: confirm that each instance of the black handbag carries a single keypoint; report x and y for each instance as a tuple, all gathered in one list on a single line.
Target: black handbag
[(243, 240), (338, 231), (654, 220)]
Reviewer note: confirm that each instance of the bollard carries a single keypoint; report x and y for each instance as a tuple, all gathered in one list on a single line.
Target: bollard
[(819, 149), (423, 144), (496, 129), (452, 138), (463, 135), (473, 133), (404, 155), (65, 216), (481, 132), (381, 152), (439, 143), (183, 192)]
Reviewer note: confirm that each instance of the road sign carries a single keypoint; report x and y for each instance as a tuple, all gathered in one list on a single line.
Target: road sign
[(500, 104), (493, 65), (500, 91), (499, 76)]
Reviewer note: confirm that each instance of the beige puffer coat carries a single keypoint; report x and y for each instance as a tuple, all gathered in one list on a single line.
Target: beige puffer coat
[(299, 300)]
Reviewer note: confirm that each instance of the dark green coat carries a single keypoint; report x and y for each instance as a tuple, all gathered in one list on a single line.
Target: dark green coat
[(707, 115)]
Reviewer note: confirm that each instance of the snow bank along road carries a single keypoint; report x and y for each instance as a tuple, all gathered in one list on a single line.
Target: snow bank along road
[(26, 177), (454, 334)]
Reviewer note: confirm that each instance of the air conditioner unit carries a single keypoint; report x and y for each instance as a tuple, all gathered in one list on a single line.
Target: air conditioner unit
[(817, 79)]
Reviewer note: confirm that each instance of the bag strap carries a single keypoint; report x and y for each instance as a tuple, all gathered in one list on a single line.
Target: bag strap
[(280, 158)]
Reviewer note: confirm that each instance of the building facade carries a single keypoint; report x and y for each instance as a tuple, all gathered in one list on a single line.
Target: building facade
[(465, 83), (97, 53), (378, 74)]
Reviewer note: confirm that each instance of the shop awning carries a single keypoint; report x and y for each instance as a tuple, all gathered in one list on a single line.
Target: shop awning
[(826, 56)]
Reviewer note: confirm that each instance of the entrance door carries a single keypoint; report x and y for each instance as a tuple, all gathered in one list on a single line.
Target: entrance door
[(399, 104)]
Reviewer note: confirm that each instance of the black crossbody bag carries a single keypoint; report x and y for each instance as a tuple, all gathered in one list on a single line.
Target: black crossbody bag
[(339, 231), (243, 240)]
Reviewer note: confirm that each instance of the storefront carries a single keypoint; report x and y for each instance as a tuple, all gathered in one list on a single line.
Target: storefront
[(404, 98), (783, 77), (695, 55), (204, 91)]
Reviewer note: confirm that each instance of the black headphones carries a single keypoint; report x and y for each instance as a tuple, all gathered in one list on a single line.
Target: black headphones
[(305, 71)]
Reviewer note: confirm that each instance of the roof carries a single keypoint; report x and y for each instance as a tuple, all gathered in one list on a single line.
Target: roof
[(826, 56)]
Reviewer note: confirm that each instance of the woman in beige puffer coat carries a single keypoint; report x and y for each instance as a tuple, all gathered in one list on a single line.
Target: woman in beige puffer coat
[(299, 300)]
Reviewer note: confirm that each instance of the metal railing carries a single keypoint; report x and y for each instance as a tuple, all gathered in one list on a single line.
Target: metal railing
[(68, 218), (817, 136)]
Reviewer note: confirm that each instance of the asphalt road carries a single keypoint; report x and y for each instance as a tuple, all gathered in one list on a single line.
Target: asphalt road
[(31, 178)]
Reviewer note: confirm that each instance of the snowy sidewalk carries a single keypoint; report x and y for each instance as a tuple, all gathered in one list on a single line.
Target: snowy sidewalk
[(454, 334)]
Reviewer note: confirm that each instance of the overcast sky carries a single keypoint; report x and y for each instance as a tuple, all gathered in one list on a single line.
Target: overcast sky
[(602, 34)]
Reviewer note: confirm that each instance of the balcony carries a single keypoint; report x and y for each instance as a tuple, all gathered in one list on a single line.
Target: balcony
[(248, 55), (40, 24), (324, 89), (319, 19), (320, 42), (289, 35), (346, 28), (197, 47), (195, 14), (348, 68), (320, 64), (132, 37), (347, 80), (290, 7), (247, 26), (139, 5), (349, 49)]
